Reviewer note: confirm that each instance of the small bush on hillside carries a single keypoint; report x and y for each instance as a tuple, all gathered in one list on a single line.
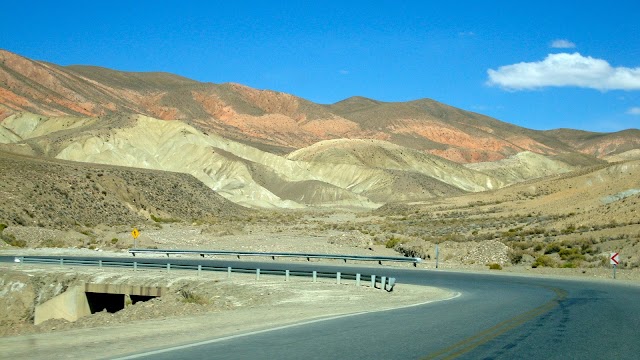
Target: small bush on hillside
[(543, 261), (191, 298), (11, 240), (495, 266), (393, 242), (2, 227), (167, 220), (515, 256), (571, 254), (552, 248)]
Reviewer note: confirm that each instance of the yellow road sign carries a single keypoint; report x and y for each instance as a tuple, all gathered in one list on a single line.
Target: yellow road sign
[(135, 233)]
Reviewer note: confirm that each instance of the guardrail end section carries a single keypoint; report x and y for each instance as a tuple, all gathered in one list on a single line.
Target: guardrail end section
[(17, 259)]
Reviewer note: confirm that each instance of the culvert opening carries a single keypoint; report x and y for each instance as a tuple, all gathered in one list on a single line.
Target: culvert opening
[(113, 297), (101, 301), (139, 298), (112, 303)]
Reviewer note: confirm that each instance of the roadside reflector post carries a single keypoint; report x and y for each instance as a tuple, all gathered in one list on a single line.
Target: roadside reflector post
[(286, 275), (315, 276), (100, 264), (257, 274), (373, 281), (437, 255), (338, 277), (135, 266), (229, 272), (383, 282), (61, 261), (168, 267), (199, 269), (357, 279)]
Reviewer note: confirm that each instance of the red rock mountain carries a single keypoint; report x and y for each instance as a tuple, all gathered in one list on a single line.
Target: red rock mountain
[(279, 122)]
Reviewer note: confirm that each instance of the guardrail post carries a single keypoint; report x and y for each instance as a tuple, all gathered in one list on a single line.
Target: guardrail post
[(199, 269), (357, 279), (315, 276), (338, 277), (257, 274), (286, 275), (99, 263), (392, 282), (373, 281), (168, 267), (135, 265), (228, 272)]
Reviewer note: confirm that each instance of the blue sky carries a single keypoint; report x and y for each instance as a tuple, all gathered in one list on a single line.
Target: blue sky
[(539, 64)]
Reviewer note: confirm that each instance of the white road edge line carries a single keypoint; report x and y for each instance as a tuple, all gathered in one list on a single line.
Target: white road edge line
[(186, 346)]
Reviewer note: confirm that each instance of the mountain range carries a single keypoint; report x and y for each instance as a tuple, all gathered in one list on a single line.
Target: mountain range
[(266, 149)]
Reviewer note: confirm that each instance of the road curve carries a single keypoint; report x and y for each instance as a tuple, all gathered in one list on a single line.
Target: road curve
[(495, 317)]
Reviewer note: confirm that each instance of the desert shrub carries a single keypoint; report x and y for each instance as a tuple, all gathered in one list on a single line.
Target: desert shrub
[(515, 256), (2, 227), (495, 266), (569, 229), (172, 220), (11, 240), (114, 241), (571, 254), (190, 297), (569, 265), (392, 242), (552, 248), (543, 261)]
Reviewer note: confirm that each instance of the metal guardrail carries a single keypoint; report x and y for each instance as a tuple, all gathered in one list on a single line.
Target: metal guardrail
[(273, 255), (382, 282)]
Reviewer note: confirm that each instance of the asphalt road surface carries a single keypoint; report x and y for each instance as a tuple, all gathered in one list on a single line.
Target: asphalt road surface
[(495, 317)]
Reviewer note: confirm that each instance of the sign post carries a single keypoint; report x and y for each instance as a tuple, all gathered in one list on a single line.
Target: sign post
[(614, 260), (135, 233), (437, 255)]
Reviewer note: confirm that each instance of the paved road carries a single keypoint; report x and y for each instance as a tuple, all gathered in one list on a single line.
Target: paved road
[(496, 317)]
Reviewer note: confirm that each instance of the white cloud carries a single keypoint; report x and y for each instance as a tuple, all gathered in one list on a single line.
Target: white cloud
[(565, 70), (634, 111), (562, 44)]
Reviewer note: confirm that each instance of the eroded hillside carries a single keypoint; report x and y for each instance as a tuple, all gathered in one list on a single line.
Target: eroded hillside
[(348, 173)]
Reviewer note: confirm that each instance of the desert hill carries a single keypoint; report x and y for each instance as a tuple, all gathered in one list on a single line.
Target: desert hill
[(59, 194), (280, 123), (351, 173)]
